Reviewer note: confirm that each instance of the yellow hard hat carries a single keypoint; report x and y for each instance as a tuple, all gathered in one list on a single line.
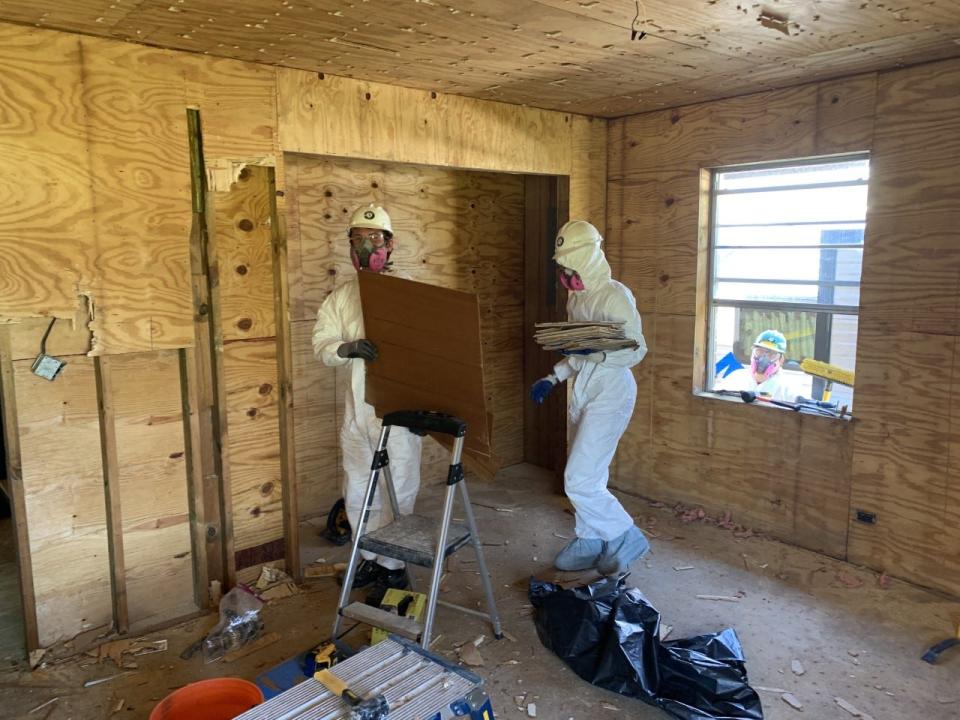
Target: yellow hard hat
[(371, 216)]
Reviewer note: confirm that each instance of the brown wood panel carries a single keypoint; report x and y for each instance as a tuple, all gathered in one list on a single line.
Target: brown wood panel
[(407, 378), (252, 398), (135, 104), (153, 505), (64, 499), (46, 226)]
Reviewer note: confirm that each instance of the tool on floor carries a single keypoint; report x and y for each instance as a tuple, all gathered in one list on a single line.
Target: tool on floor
[(404, 603), (414, 538), (371, 708), (415, 683)]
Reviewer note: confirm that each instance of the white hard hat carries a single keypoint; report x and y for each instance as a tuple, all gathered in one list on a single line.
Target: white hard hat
[(371, 216), (575, 235)]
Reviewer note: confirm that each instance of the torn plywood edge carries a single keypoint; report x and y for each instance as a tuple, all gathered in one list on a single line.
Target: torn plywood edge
[(430, 354), (222, 173), (70, 335)]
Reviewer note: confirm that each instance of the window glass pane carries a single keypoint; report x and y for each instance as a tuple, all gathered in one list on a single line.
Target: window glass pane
[(811, 205), (810, 265), (779, 235), (830, 172)]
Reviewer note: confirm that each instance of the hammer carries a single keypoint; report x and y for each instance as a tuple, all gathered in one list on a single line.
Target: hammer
[(374, 708)]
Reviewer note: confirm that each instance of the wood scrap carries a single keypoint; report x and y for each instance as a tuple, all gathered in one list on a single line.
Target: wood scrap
[(850, 708), (791, 700), (724, 598), (43, 705), (469, 655), (252, 647), (797, 667), (276, 592), (322, 570)]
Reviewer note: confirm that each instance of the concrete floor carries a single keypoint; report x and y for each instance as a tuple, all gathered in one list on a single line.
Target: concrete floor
[(861, 644)]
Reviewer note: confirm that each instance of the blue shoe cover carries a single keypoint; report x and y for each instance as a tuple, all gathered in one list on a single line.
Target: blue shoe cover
[(622, 551), (579, 554)]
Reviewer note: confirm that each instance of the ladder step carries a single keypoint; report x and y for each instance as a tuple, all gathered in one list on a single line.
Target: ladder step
[(413, 539), (407, 627)]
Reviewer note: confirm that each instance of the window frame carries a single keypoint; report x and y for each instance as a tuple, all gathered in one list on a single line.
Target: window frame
[(709, 184)]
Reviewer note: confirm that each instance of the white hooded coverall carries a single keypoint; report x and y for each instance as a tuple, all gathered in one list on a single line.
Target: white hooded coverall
[(603, 394), (340, 320)]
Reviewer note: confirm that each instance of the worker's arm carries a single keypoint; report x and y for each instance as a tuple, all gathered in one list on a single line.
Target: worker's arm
[(622, 308), (328, 332)]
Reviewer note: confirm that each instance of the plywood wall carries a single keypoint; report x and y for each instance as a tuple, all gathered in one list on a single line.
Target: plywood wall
[(98, 233), (453, 228), (801, 478)]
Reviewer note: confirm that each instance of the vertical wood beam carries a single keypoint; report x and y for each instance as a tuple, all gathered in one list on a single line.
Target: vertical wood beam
[(14, 489), (288, 463), (111, 487)]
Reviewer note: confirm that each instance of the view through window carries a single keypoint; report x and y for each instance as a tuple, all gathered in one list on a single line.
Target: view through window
[(786, 249)]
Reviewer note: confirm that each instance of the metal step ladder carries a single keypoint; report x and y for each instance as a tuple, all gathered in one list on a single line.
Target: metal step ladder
[(414, 538)]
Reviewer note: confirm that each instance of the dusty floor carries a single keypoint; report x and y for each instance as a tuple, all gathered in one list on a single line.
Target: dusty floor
[(861, 644)]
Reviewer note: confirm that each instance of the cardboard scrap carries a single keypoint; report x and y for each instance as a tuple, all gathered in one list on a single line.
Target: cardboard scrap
[(277, 592)]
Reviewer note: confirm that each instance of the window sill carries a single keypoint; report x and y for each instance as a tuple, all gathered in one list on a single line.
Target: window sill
[(703, 394)]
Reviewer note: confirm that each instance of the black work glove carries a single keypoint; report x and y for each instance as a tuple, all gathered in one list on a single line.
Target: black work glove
[(363, 349)]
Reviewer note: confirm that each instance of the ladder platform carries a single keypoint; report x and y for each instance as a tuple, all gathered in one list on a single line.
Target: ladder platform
[(407, 627), (413, 539)]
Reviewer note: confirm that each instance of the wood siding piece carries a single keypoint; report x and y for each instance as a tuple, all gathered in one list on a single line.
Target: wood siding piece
[(64, 498)]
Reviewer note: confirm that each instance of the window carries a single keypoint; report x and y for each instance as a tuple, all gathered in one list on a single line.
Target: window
[(786, 249)]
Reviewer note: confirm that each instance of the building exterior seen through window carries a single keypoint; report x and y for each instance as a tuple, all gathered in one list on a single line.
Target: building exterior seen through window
[(786, 249)]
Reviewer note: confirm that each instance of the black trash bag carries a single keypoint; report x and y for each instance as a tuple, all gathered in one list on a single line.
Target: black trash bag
[(610, 636)]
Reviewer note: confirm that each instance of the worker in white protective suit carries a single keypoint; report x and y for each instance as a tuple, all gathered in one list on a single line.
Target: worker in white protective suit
[(604, 393), (338, 341)]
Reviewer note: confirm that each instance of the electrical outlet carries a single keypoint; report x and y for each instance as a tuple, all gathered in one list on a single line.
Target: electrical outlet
[(47, 366), (866, 517)]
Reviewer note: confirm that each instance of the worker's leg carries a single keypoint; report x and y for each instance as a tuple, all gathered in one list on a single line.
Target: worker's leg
[(356, 450), (599, 515)]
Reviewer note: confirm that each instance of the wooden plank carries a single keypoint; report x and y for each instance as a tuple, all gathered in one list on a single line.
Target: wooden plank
[(15, 491), (245, 256), (457, 382), (846, 111), (285, 379), (46, 228), (64, 499), (343, 117), (252, 402), (111, 476), (152, 508), (135, 104)]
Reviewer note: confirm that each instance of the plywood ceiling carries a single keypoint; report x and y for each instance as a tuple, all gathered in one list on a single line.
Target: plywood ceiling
[(572, 55)]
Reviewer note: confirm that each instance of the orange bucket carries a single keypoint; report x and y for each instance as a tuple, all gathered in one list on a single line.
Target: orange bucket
[(216, 699)]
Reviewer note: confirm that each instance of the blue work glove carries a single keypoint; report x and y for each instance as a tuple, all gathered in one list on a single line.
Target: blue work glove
[(541, 388), (577, 352)]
